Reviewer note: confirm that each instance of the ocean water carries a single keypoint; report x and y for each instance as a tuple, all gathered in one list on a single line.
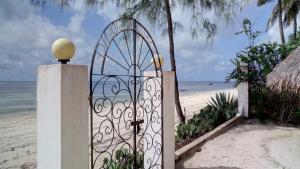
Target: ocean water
[(17, 97), (20, 97), (189, 87)]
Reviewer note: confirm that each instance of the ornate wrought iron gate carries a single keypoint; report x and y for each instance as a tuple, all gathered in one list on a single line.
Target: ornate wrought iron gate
[(126, 99)]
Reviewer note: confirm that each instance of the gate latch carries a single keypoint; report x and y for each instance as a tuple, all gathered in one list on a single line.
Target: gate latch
[(137, 125)]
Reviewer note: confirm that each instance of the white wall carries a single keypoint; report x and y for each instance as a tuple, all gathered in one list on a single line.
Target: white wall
[(62, 117), (243, 97)]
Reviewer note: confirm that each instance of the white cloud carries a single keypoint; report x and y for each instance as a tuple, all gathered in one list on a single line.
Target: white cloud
[(274, 35), (109, 12), (26, 39), (75, 25)]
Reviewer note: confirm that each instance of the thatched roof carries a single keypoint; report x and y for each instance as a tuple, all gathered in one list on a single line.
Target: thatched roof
[(286, 75)]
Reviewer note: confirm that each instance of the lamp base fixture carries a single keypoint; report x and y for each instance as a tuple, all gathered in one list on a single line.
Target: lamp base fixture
[(63, 61)]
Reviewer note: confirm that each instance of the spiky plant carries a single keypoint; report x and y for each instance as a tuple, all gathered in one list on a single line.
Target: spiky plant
[(224, 105)]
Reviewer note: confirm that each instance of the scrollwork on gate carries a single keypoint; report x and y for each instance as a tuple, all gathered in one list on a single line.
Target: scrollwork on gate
[(126, 105)]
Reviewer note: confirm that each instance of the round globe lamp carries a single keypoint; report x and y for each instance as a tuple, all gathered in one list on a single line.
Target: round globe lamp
[(63, 49), (158, 61)]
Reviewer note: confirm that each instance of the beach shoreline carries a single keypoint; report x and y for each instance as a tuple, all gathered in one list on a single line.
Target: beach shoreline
[(18, 130)]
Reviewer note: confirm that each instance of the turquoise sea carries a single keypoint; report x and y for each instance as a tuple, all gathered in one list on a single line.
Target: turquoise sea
[(20, 97)]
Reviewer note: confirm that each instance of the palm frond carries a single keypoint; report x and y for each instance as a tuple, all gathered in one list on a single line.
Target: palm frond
[(272, 20), (291, 10), (263, 2)]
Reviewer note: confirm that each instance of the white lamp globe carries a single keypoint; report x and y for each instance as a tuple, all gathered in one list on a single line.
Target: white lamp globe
[(63, 49)]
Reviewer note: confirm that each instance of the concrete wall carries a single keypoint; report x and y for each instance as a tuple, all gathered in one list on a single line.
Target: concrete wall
[(243, 99), (169, 119), (243, 95), (62, 117)]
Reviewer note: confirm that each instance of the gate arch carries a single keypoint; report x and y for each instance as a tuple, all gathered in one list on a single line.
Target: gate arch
[(126, 97)]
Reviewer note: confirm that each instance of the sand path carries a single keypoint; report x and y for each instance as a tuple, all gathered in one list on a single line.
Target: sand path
[(249, 146)]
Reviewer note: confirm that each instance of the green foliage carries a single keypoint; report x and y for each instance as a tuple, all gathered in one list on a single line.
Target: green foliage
[(220, 108), (224, 106), (258, 102), (123, 160), (290, 46), (187, 130), (221, 9), (248, 31), (261, 60), (297, 116), (283, 106)]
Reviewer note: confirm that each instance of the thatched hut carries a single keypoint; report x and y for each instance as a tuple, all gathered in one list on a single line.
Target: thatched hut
[(286, 75)]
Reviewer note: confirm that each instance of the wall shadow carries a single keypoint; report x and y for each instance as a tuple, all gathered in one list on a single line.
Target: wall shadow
[(180, 165)]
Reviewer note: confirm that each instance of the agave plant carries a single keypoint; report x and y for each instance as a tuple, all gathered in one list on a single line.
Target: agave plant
[(225, 106)]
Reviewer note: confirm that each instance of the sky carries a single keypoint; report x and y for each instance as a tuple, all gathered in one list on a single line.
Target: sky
[(27, 33)]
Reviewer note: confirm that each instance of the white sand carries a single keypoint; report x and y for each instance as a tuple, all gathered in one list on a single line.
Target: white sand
[(249, 146), (18, 141), (18, 132)]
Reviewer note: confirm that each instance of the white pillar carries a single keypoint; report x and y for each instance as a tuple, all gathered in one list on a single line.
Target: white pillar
[(62, 117), (243, 95), (168, 118)]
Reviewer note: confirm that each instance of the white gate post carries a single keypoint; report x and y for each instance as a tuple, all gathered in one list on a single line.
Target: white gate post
[(168, 120), (62, 117), (243, 95)]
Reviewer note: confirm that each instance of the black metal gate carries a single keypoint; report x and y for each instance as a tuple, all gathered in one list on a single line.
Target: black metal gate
[(126, 99)]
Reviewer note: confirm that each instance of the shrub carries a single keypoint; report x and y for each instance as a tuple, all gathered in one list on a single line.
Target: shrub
[(220, 108), (283, 107), (261, 60), (123, 160), (223, 106), (187, 130)]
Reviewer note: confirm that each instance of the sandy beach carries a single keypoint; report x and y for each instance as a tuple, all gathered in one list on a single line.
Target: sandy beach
[(18, 141), (18, 131)]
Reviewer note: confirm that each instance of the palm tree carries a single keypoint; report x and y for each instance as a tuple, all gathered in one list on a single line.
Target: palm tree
[(291, 10), (172, 59), (160, 12), (276, 15)]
